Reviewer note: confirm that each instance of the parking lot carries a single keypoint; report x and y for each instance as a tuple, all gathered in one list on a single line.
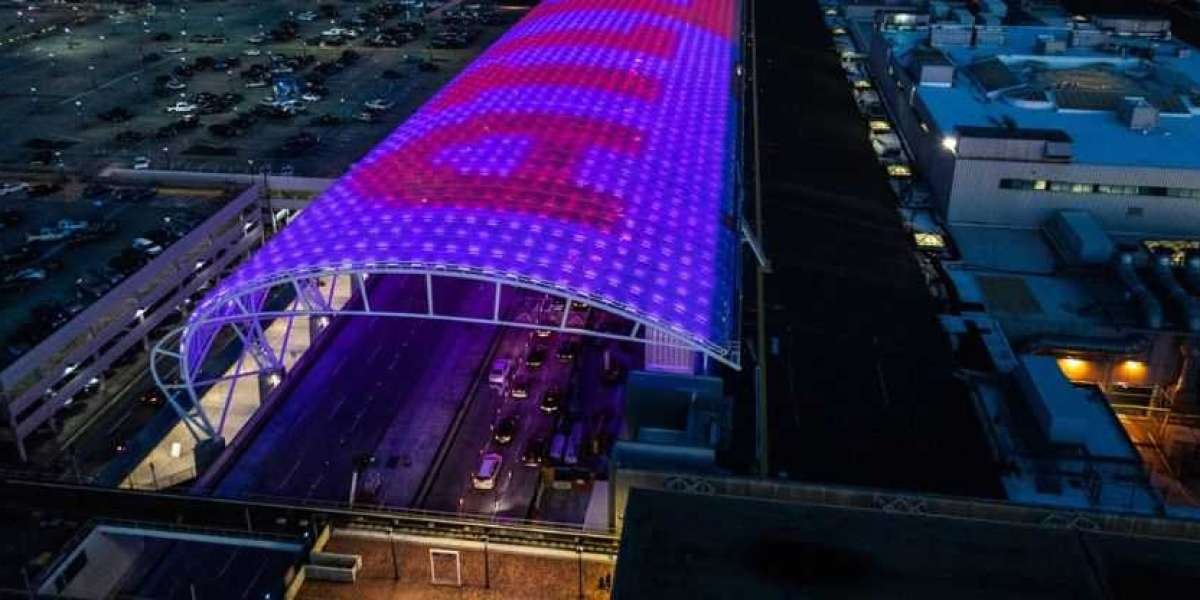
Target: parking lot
[(249, 86), (65, 249)]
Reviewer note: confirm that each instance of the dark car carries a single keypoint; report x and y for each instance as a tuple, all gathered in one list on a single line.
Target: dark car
[(152, 397), (43, 189), (536, 357), (519, 387), (128, 138), (391, 74), (567, 351), (225, 130), (551, 400), (118, 114), (327, 120), (534, 454), (505, 430)]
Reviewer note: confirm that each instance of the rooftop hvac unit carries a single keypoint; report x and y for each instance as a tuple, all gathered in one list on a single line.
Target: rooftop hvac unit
[(1048, 44), (1136, 113), (1057, 406), (1078, 238)]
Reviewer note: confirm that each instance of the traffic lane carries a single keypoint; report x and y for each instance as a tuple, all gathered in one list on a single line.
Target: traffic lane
[(412, 441), (524, 481), (516, 484), (306, 408), (344, 423), (472, 439)]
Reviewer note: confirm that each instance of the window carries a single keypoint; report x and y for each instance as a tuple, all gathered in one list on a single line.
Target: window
[(1075, 187)]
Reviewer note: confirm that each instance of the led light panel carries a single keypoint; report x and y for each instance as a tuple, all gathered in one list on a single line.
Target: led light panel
[(591, 149)]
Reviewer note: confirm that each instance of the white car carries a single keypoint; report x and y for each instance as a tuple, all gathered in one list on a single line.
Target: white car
[(252, 52), (307, 15), (256, 39), (182, 107), (378, 104), (340, 32), (175, 84), (257, 83), (141, 163), (484, 478), (173, 50), (499, 372), (147, 246), (13, 188), (311, 97)]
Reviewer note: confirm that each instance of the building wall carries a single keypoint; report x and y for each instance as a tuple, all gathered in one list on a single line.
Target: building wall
[(912, 121), (968, 191), (87, 339), (976, 196)]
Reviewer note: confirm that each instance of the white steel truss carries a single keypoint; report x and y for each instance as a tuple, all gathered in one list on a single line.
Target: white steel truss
[(172, 357)]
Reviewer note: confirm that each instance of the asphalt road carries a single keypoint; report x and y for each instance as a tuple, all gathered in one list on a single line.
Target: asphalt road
[(861, 388), (380, 380)]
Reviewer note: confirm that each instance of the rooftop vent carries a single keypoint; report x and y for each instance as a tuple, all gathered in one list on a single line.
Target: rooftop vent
[(1048, 44), (1078, 238), (1085, 35), (1136, 113)]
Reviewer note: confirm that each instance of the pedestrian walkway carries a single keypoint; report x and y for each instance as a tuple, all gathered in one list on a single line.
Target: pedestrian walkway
[(173, 461)]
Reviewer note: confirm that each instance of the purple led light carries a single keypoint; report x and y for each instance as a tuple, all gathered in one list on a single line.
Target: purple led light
[(590, 148)]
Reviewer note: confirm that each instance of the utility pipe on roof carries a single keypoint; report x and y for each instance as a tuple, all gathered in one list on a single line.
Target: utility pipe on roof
[(1126, 346), (1189, 308), (1152, 312)]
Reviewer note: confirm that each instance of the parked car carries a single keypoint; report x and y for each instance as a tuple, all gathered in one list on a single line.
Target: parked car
[(13, 187), (182, 107), (141, 163), (146, 246), (378, 105)]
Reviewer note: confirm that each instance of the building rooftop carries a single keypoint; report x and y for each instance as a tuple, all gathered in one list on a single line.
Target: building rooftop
[(1072, 80), (687, 546)]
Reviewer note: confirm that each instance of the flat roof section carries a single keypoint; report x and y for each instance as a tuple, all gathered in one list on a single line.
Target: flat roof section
[(1084, 86), (687, 546), (589, 151)]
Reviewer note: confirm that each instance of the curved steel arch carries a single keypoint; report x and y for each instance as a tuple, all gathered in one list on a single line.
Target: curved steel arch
[(242, 311), (591, 152)]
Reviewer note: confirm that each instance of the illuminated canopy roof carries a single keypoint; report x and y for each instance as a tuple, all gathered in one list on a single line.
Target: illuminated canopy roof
[(589, 151)]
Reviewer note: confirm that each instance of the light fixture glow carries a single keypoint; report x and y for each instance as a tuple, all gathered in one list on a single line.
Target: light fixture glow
[(591, 146)]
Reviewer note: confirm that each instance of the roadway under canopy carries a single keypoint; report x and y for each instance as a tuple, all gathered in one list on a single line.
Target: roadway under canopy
[(590, 154)]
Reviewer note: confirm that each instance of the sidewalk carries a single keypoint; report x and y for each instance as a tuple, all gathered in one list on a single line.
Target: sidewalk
[(173, 460)]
